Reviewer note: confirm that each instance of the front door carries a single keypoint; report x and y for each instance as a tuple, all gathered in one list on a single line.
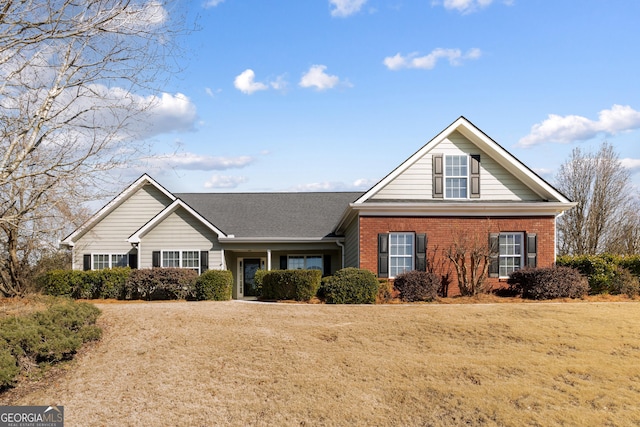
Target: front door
[(249, 268)]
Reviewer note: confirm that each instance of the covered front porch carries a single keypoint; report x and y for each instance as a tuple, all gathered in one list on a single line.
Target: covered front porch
[(244, 260)]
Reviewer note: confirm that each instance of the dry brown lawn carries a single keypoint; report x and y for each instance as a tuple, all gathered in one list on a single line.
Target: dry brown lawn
[(239, 363)]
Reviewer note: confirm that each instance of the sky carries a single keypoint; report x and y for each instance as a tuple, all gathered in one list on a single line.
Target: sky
[(332, 95)]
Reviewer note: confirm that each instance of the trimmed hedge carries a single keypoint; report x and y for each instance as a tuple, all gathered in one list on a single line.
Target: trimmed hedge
[(604, 272), (160, 283), (47, 336), (549, 283), (108, 283), (417, 286), (299, 285), (214, 285), (350, 286)]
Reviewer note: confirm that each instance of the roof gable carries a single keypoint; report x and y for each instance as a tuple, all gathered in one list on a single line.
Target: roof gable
[(517, 179), (116, 202)]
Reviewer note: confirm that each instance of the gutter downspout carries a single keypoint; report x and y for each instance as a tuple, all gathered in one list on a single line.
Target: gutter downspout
[(342, 248), (555, 247)]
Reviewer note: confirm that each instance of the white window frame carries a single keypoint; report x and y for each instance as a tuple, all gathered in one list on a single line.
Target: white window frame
[(507, 256), (395, 270), (110, 261), (181, 259), (305, 264), (448, 176)]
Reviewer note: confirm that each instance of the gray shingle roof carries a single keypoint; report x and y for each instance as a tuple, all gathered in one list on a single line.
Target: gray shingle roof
[(275, 215)]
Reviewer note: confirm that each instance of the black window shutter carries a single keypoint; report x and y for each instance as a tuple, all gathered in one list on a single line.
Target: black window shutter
[(494, 255), (204, 261), (438, 177), (532, 250), (283, 262), (133, 260), (383, 255), (86, 262), (421, 252), (155, 259), (475, 176), (327, 264)]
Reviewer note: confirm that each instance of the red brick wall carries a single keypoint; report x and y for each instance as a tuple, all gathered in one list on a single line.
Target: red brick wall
[(440, 233)]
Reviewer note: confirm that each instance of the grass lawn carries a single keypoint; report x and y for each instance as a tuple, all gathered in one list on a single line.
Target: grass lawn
[(238, 363)]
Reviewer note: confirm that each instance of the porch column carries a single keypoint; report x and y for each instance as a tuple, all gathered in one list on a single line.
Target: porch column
[(268, 259)]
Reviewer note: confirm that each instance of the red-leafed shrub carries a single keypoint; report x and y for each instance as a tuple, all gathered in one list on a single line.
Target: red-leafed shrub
[(549, 283), (417, 286)]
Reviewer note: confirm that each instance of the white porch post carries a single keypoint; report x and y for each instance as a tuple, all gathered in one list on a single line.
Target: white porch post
[(268, 259)]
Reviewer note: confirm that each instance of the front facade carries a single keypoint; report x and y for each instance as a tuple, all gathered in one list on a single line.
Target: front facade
[(460, 186)]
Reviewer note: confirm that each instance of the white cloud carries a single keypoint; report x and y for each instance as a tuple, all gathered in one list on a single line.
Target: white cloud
[(316, 77), (191, 161), (344, 8), (224, 181), (428, 62), (467, 6), (170, 113), (245, 83), (632, 164), (357, 185), (211, 3), (566, 129)]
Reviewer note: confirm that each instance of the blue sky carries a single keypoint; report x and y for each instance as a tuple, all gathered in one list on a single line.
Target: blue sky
[(331, 95)]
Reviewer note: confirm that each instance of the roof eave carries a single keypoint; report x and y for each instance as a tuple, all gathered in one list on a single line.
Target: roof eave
[(462, 208)]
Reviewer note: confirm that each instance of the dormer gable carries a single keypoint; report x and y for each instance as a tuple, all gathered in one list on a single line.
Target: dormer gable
[(462, 164)]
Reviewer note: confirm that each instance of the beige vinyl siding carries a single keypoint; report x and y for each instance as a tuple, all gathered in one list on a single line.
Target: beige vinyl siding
[(111, 233), (181, 231), (352, 244), (496, 183)]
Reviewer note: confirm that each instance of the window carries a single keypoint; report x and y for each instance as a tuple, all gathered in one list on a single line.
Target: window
[(511, 252), (181, 259), (102, 261), (456, 176), (400, 253), (305, 262)]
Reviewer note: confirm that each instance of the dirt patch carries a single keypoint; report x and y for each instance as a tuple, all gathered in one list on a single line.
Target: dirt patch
[(240, 363)]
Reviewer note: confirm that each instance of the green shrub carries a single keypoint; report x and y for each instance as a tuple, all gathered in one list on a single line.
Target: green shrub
[(214, 285), (350, 286), (624, 283), (417, 286), (110, 283), (549, 283), (258, 279), (57, 282), (602, 271), (8, 366), (299, 285), (160, 283)]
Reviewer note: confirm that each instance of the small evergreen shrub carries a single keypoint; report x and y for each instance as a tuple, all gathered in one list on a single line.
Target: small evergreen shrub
[(299, 285), (214, 285), (47, 336), (624, 283), (110, 283), (258, 279), (417, 286), (350, 286), (549, 283), (160, 283)]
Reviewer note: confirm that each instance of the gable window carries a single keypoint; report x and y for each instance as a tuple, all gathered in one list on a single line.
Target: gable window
[(401, 251), (102, 261), (456, 176), (305, 262), (181, 259), (511, 253)]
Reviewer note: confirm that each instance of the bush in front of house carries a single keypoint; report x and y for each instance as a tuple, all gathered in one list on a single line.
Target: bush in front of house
[(549, 283), (350, 286), (299, 285), (214, 285), (417, 286), (64, 283), (110, 283), (604, 272), (47, 336), (160, 283), (107, 283)]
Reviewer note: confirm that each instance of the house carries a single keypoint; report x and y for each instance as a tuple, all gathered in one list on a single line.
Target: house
[(461, 183)]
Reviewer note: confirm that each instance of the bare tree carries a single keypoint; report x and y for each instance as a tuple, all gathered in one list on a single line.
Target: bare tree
[(470, 255), (69, 74), (601, 187)]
